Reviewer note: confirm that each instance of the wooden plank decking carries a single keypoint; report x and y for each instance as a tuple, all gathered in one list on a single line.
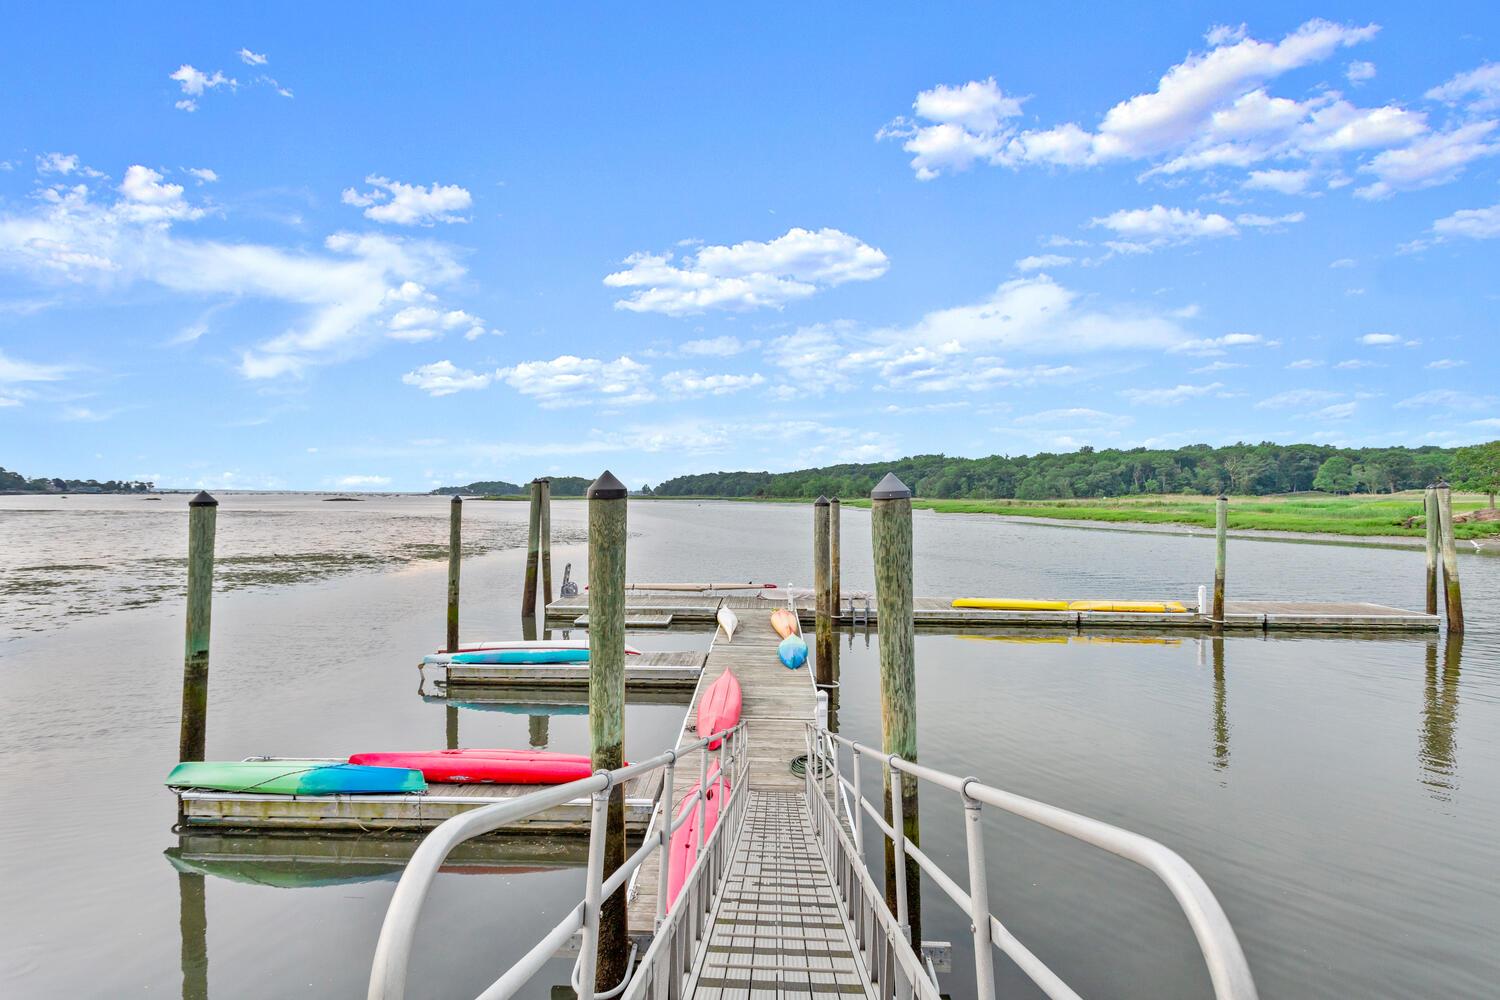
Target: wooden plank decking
[(777, 703), (677, 669)]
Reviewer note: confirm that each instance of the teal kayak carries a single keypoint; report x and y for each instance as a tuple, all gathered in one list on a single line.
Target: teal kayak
[(295, 777), (520, 656), (793, 652)]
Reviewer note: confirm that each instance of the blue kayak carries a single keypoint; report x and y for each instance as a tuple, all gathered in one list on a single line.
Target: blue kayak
[(295, 777), (793, 652), (521, 656)]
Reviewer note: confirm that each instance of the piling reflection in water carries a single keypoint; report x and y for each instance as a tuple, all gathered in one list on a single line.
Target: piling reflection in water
[(1438, 750), (1221, 710), (193, 921)]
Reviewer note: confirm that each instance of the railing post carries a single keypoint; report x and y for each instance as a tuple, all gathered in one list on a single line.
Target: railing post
[(607, 534), (859, 812), (979, 899), (702, 804), (668, 814), (891, 534), (593, 888), (455, 544), (894, 780), (1221, 535), (1453, 599), (203, 513)]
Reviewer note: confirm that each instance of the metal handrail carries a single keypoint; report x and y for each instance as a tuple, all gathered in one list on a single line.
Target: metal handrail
[(1228, 971), (393, 950)]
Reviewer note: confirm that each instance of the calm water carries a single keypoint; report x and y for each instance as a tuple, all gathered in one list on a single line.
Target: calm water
[(1339, 795)]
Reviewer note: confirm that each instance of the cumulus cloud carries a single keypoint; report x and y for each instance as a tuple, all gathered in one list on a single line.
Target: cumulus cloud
[(715, 347), (1359, 72), (963, 124), (418, 323), (409, 204), (1478, 89), (749, 275), (1432, 160), (340, 294), (1474, 223), (1379, 339), (691, 383), (1170, 396), (444, 378), (567, 379), (1161, 226), (1282, 181), (1042, 261)]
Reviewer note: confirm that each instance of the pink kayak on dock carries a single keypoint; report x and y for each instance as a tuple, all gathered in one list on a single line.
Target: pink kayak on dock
[(508, 767), (682, 852), (719, 708)]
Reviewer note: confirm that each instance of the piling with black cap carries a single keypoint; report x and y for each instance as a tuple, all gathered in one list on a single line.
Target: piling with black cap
[(823, 617), (203, 512), (1453, 600), (607, 533), (455, 545), (1221, 547), (533, 547), (890, 530)]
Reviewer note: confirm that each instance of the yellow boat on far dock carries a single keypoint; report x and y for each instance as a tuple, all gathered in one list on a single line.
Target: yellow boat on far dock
[(1013, 604)]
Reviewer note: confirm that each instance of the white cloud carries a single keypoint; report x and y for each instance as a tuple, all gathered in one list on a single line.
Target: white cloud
[(419, 323), (1040, 261), (14, 370), (714, 347), (1481, 88), (1212, 346), (1475, 223), (1069, 415), (1161, 226), (204, 174), (409, 204), (1302, 363), (1171, 396), (1379, 339), (1444, 363), (338, 293), (1268, 221), (1283, 181), (444, 378), (364, 481), (1338, 411), (1356, 364), (195, 82), (252, 58), (567, 379), (1359, 72), (1446, 399), (1297, 398), (749, 275), (1344, 262), (691, 383), (966, 123), (63, 163), (1217, 366), (1432, 160)]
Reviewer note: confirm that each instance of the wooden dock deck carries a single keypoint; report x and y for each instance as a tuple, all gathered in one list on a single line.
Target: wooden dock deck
[(777, 704), (938, 612), (674, 669)]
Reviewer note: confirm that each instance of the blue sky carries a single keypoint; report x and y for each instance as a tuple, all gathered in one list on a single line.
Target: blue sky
[(308, 248)]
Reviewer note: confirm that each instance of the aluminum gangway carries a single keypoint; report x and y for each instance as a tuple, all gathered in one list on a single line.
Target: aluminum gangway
[(780, 897)]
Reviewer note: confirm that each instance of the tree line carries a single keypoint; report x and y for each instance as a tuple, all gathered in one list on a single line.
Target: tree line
[(1243, 469), (14, 482)]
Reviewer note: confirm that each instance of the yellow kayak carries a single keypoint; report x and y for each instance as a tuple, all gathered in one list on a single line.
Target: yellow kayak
[(1013, 604), (1144, 607), (1009, 604)]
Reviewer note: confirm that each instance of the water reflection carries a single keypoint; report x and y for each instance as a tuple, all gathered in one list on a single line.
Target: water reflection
[(193, 921), (1221, 711), (1438, 752)]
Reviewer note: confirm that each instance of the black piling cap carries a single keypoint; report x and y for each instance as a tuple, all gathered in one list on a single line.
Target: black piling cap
[(1442, 484), (1223, 497), (607, 487), (457, 498), (542, 479), (203, 500), (821, 502), (890, 488)]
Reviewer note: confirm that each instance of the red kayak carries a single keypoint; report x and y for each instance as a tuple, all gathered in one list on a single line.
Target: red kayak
[(719, 708), (682, 852), (506, 767)]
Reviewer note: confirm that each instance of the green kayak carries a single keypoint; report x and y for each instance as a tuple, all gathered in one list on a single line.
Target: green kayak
[(295, 777)]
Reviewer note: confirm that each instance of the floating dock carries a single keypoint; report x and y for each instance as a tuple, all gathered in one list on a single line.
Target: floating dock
[(414, 812), (669, 670), (938, 612)]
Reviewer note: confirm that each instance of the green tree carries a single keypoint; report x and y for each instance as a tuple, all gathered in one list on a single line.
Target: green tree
[(1477, 468), (1335, 475)]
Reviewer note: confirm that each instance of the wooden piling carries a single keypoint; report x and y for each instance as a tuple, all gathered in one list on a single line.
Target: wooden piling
[(1433, 520), (607, 533), (835, 509), (203, 512), (1221, 546), (890, 528), (533, 546), (536, 731), (545, 541), (823, 617), (450, 717), (1453, 599), (455, 552)]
